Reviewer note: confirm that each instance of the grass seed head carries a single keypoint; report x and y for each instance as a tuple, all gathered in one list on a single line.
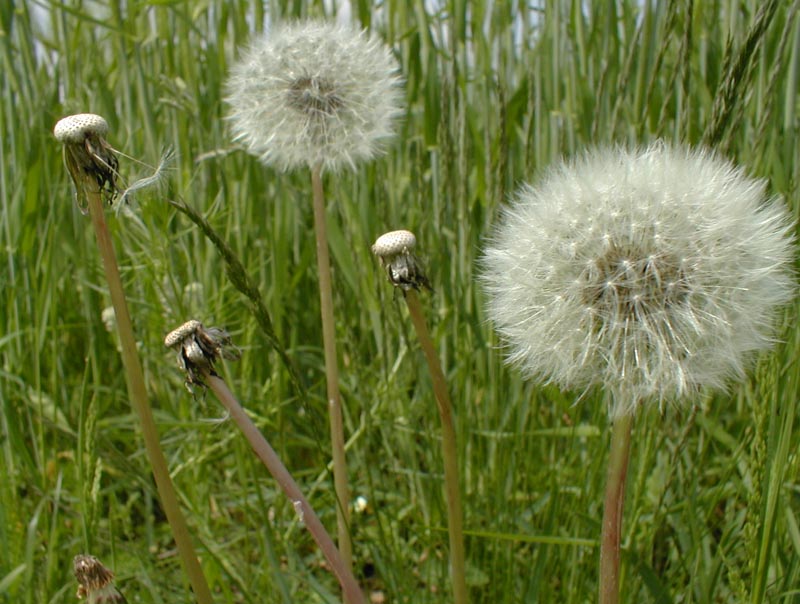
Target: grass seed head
[(314, 93), (652, 273)]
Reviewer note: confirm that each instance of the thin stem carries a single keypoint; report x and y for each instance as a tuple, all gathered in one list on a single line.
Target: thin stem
[(449, 450), (138, 395), (352, 592), (332, 370), (612, 514)]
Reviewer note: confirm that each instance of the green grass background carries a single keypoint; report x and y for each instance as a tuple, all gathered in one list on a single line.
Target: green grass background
[(494, 94)]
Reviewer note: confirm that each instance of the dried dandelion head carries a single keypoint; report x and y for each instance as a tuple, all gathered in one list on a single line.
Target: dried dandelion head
[(395, 250), (652, 273), (199, 348), (90, 160), (95, 581), (314, 93)]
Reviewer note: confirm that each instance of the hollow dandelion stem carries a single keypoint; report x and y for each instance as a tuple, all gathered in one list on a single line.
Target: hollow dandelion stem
[(331, 369), (612, 514), (394, 249), (85, 132), (340, 567), (449, 449), (138, 394), (198, 349)]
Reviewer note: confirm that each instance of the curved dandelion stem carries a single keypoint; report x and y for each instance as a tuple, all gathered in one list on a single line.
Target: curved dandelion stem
[(352, 592), (138, 395), (449, 449), (612, 514), (332, 370)]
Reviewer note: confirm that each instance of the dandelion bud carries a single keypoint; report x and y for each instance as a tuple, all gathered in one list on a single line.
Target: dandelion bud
[(314, 93), (652, 273), (394, 250), (95, 581)]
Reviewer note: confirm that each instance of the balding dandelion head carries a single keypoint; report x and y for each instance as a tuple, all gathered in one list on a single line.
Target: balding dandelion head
[(651, 273), (314, 93), (198, 348), (90, 160), (95, 581), (395, 250)]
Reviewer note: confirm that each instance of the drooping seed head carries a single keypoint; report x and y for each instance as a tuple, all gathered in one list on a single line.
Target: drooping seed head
[(199, 348), (314, 93), (395, 252), (652, 273)]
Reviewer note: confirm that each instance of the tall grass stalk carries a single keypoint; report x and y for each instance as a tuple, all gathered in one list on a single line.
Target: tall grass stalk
[(241, 281)]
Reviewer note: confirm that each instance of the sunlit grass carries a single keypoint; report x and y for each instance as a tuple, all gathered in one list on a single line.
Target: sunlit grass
[(493, 97)]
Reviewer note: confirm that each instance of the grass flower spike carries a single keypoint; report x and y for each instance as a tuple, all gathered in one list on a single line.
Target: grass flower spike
[(653, 274), (314, 93)]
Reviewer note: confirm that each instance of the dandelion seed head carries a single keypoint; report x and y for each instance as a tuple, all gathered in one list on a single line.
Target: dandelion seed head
[(652, 273), (314, 93)]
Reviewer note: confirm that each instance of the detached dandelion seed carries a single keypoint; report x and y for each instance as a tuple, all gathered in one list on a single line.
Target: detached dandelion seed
[(324, 96), (652, 273)]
